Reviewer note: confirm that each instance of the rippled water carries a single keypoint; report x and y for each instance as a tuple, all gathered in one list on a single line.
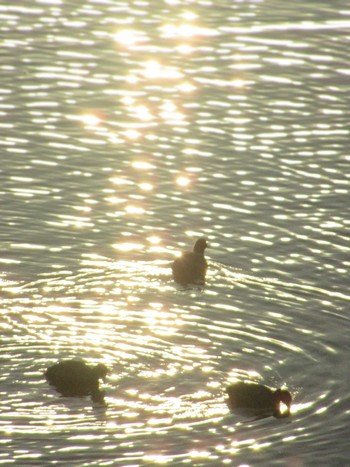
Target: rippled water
[(128, 130)]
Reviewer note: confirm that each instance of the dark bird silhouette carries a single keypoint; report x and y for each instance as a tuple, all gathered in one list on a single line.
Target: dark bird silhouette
[(191, 267), (74, 378), (258, 400)]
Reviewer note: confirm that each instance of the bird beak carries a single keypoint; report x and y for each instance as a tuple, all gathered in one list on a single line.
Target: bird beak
[(284, 410)]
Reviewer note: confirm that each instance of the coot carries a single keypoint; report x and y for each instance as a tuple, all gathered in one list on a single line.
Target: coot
[(191, 267), (74, 378), (259, 400)]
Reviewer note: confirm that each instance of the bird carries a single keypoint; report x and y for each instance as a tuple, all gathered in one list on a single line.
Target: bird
[(258, 400), (74, 378), (191, 267)]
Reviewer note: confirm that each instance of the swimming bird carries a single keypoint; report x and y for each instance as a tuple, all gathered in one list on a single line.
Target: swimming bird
[(258, 400), (191, 267), (74, 378)]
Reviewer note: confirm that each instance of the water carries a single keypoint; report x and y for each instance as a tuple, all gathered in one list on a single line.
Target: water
[(128, 130)]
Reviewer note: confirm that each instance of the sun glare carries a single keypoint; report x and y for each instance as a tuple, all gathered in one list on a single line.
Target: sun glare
[(128, 37), (189, 15), (186, 87), (154, 240), (90, 119), (184, 49), (120, 181), (132, 209), (143, 165), (132, 134), (128, 100), (185, 29), (239, 83), (146, 186), (142, 113), (128, 246), (152, 69), (183, 181), (170, 113)]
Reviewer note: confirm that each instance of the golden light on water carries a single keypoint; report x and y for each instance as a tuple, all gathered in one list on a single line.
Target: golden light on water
[(128, 100), (114, 200), (185, 29), (186, 87), (128, 37), (156, 247), (154, 240), (128, 246), (132, 79), (139, 111), (183, 181), (120, 181), (132, 134), (189, 15), (90, 119), (82, 208), (145, 186), (175, 102), (239, 83), (143, 165), (132, 209), (196, 454), (184, 49), (170, 113), (156, 459), (152, 69), (142, 113)]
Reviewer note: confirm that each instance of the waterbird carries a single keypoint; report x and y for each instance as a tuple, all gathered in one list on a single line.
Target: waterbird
[(191, 266), (258, 400), (74, 378)]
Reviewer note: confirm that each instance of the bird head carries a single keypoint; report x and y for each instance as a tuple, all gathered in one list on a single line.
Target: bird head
[(200, 245), (100, 370)]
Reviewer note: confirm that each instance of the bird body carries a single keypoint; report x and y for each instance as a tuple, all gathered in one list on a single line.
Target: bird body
[(258, 399), (191, 267), (73, 378)]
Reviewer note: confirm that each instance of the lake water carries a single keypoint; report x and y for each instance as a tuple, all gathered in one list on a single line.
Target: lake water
[(127, 131)]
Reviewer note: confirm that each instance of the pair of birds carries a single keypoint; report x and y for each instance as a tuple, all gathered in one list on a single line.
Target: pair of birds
[(256, 399), (74, 378)]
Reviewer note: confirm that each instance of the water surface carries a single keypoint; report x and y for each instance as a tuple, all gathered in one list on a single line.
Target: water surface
[(127, 131)]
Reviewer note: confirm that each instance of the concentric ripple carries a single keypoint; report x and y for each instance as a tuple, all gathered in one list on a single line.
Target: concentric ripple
[(129, 130), (170, 359)]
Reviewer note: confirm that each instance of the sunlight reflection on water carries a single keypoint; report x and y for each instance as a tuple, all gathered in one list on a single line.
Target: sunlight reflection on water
[(127, 133)]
